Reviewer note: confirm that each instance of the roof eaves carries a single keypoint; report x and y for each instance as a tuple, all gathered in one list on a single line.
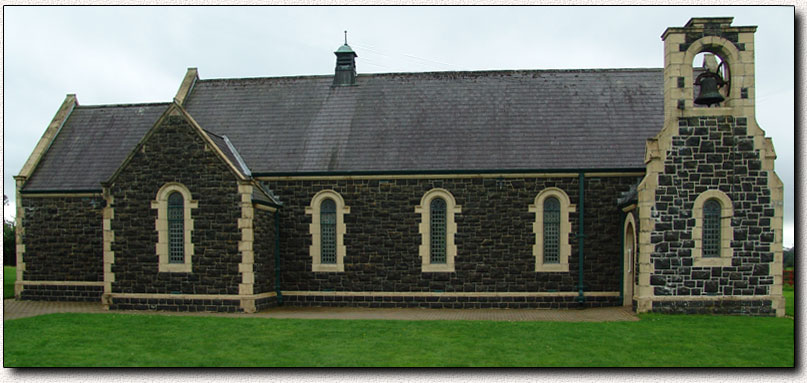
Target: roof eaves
[(437, 172)]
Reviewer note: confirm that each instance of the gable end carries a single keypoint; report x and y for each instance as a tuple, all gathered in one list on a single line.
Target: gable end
[(177, 111)]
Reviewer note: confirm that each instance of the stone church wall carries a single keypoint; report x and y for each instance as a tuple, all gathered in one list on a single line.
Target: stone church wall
[(494, 242), (264, 266), (63, 243)]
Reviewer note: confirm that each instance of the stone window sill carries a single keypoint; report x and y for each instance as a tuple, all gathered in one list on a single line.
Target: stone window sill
[(437, 268), (328, 268), (552, 268), (711, 262), (175, 268)]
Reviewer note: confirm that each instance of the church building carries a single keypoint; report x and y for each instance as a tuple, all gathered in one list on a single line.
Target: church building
[(649, 188)]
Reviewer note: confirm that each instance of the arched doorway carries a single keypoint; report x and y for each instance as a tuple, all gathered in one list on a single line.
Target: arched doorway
[(629, 263)]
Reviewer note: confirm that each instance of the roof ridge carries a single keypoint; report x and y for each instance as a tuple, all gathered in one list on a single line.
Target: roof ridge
[(99, 106), (496, 71), (478, 72), (266, 78)]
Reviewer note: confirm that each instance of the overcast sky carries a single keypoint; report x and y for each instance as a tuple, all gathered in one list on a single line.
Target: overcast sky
[(114, 55)]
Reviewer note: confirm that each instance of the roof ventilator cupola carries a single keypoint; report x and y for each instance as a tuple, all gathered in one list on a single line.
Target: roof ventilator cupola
[(345, 65)]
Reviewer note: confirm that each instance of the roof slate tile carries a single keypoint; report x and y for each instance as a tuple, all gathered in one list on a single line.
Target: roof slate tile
[(399, 122), (450, 121), (91, 145)]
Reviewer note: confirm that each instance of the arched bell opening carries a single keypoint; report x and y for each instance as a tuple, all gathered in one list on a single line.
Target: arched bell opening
[(711, 79)]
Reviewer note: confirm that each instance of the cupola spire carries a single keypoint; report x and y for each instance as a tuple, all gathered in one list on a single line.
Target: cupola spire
[(345, 74)]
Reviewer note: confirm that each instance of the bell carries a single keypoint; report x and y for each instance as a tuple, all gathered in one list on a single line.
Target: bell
[(709, 83)]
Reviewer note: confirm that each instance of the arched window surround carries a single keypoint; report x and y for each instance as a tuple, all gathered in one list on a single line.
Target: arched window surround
[(565, 249), (726, 231), (315, 229), (161, 226), (424, 209)]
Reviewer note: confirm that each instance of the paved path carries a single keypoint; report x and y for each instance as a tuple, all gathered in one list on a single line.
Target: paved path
[(13, 309)]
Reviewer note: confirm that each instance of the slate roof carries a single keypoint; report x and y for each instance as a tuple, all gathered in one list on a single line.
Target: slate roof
[(91, 145), (404, 122), (451, 121), (263, 195), (230, 152), (628, 197)]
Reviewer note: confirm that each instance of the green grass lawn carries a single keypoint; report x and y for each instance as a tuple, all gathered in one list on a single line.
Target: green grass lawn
[(790, 301), (9, 276), (153, 340)]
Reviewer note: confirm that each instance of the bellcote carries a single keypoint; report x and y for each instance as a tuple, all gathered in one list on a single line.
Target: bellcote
[(345, 74), (733, 48)]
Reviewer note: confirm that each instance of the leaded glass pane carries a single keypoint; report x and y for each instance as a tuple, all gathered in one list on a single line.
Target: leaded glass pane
[(551, 230), (438, 230), (327, 224), (711, 228), (176, 228)]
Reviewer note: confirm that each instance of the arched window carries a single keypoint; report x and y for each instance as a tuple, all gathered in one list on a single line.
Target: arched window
[(438, 230), (327, 219), (712, 233), (551, 230), (711, 228), (552, 227), (176, 228), (327, 231)]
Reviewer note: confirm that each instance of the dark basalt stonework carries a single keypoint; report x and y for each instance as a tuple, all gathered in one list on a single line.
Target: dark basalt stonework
[(265, 303), (63, 239), (175, 153), (264, 250), (437, 302), (727, 307), (62, 293), (161, 304), (494, 236), (712, 153)]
